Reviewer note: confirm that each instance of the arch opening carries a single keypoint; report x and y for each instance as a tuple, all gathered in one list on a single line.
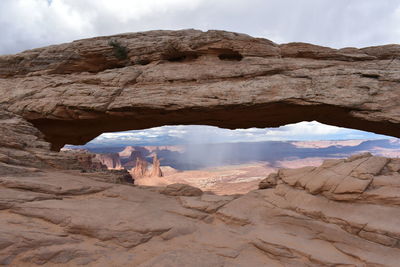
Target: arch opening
[(85, 125), (227, 161)]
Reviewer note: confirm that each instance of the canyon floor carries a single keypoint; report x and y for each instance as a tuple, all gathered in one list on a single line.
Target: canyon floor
[(223, 180), (212, 172), (343, 213)]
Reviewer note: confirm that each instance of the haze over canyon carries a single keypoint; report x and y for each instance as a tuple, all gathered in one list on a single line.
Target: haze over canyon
[(226, 168)]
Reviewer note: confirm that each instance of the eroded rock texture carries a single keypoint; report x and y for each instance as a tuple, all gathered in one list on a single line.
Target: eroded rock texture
[(142, 168), (23, 149), (312, 217), (111, 160), (76, 91), (53, 212)]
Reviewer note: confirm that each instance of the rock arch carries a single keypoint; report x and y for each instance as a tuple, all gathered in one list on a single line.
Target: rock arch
[(76, 91)]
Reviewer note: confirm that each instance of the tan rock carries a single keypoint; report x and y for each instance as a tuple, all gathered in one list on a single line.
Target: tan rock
[(112, 160), (74, 92), (181, 190), (104, 224), (63, 209), (269, 182), (156, 170), (140, 169)]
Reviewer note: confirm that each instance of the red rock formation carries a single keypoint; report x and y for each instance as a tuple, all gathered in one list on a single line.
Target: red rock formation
[(217, 78), (156, 170), (89, 162), (140, 169), (111, 160), (127, 151), (131, 161), (344, 213), (23, 149)]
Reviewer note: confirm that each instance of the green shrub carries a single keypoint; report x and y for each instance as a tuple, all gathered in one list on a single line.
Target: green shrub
[(120, 51)]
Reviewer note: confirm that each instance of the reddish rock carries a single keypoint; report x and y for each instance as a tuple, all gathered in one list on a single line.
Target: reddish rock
[(156, 170), (269, 182), (140, 169), (130, 162), (183, 77), (127, 151), (181, 190), (111, 160)]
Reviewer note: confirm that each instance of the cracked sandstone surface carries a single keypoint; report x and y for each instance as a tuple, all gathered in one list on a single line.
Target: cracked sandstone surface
[(344, 213)]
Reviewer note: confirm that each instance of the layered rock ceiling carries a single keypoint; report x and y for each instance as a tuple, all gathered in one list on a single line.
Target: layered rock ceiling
[(76, 91), (64, 209)]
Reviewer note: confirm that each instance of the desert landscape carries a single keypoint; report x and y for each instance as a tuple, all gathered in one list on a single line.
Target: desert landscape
[(76, 207), (228, 168)]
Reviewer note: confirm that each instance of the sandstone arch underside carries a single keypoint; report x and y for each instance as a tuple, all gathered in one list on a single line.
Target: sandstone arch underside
[(76, 91)]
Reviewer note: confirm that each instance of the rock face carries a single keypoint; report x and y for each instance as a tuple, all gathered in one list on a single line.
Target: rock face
[(181, 190), (323, 216), (111, 160), (22, 149), (76, 91), (343, 213), (142, 169), (269, 182), (156, 170), (361, 178), (127, 152), (132, 159)]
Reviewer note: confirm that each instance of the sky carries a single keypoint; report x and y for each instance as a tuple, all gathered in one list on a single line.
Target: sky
[(27, 24), (197, 134)]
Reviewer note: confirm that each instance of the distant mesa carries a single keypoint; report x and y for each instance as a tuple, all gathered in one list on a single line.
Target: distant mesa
[(111, 160), (127, 151), (130, 162)]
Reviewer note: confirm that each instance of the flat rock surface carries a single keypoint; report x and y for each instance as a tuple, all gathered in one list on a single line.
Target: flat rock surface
[(66, 218)]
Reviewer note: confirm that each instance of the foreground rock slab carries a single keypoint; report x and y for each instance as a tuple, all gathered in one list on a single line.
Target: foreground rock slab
[(68, 218)]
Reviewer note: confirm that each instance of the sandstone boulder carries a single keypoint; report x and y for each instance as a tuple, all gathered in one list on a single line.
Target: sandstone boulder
[(268, 182), (181, 190), (360, 178)]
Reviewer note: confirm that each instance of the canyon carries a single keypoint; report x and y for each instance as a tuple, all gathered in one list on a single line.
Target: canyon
[(228, 168), (65, 208)]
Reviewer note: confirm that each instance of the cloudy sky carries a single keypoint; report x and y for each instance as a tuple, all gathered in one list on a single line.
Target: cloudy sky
[(26, 24), (337, 23), (196, 134)]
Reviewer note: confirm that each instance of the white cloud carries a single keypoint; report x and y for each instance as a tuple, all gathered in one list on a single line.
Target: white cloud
[(181, 134), (312, 128), (27, 24)]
